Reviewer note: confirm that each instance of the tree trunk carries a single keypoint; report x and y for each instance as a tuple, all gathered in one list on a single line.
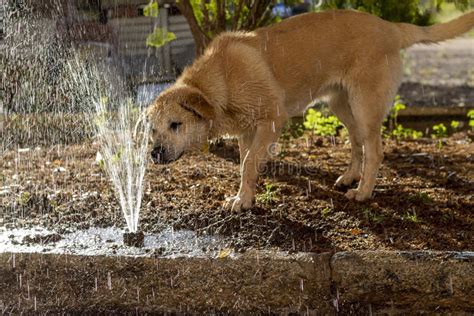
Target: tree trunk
[(201, 39)]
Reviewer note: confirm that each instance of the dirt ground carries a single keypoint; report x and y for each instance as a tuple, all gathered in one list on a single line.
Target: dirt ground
[(424, 197)]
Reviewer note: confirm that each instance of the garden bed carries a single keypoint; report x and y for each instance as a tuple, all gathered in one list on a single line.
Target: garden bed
[(423, 198)]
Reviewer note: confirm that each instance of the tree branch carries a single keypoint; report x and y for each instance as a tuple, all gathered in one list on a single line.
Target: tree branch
[(201, 39), (237, 12), (220, 15)]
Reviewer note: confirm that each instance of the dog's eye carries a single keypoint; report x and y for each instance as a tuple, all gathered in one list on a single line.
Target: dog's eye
[(175, 125)]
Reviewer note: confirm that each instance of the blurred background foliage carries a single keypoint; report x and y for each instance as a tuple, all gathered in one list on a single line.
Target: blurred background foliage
[(409, 11)]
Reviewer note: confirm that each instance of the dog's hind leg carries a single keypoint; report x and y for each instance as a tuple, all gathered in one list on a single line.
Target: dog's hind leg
[(368, 127), (339, 105), (370, 97), (369, 108)]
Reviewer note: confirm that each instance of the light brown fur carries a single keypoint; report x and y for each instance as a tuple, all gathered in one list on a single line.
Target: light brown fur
[(249, 84)]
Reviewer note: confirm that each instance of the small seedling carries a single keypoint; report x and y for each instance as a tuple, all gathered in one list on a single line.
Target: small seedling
[(269, 195), (439, 131), (400, 132), (373, 216), (412, 217), (455, 125), (290, 131), (325, 212), (395, 129), (396, 108)]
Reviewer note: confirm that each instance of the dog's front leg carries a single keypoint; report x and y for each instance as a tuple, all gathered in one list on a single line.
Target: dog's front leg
[(254, 153)]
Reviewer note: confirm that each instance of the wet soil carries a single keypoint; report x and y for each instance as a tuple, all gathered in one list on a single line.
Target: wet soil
[(424, 197)]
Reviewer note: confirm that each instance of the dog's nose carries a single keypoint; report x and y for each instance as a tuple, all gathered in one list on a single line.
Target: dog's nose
[(158, 154)]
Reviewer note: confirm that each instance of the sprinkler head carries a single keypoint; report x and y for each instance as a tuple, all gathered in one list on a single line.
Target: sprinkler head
[(136, 239)]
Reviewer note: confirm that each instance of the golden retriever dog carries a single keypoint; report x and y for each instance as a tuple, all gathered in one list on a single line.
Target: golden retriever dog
[(247, 84)]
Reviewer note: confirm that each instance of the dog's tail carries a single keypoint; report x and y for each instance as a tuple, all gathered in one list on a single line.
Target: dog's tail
[(412, 34)]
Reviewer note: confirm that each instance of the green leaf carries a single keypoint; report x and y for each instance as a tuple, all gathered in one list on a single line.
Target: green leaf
[(159, 37), (320, 124), (151, 9)]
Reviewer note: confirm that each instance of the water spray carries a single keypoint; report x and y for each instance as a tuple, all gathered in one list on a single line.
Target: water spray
[(123, 141)]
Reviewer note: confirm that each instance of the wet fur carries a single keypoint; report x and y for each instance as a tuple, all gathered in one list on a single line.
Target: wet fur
[(249, 84)]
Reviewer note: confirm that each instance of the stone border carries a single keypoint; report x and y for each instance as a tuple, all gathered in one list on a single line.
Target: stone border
[(255, 282)]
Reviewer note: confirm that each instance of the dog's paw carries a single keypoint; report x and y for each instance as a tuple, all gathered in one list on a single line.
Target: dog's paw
[(346, 180), (237, 203), (358, 195)]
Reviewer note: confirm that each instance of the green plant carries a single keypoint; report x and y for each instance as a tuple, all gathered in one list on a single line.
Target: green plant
[(395, 129), (209, 18), (455, 124), (291, 130), (412, 217), (439, 131), (401, 132), (160, 36), (325, 212), (372, 216), (470, 116), (294, 130), (320, 124), (269, 195), (398, 106)]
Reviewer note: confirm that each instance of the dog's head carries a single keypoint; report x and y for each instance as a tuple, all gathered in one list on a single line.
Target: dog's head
[(180, 119)]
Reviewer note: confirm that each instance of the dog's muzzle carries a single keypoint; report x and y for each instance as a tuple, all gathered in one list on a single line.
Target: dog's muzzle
[(158, 155)]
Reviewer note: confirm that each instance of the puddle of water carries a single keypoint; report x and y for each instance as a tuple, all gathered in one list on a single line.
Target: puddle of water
[(108, 241)]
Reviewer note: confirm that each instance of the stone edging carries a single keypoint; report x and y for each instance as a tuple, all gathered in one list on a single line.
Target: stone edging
[(257, 281)]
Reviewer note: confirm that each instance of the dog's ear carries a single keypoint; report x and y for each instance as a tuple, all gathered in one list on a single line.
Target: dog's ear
[(193, 100)]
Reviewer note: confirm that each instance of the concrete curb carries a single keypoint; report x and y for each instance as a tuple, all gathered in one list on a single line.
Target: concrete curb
[(405, 281), (257, 281)]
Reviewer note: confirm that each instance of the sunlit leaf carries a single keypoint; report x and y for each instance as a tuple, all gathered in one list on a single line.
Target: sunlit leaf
[(151, 9), (159, 37)]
